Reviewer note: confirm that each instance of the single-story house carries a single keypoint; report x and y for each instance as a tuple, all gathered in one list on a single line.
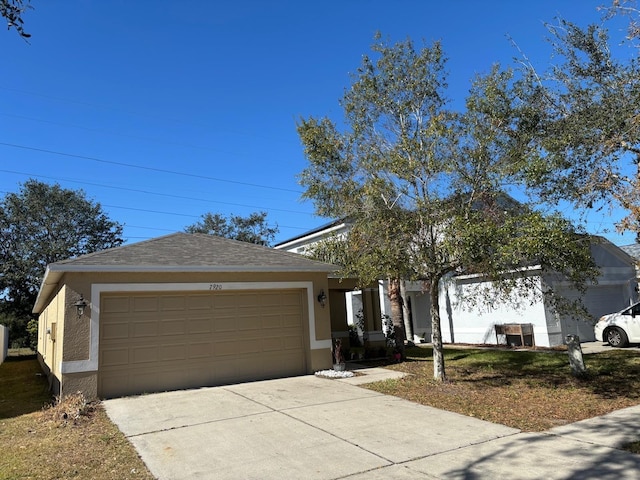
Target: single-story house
[(472, 322), (182, 311)]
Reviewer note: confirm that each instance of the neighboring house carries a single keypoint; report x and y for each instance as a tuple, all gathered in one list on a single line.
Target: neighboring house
[(615, 288), (181, 311), (472, 322), (633, 251)]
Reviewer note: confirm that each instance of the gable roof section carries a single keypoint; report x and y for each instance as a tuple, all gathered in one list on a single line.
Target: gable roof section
[(632, 250), (182, 252), (191, 252)]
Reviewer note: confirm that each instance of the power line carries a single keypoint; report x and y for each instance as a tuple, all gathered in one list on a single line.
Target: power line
[(152, 211), (147, 192), (93, 105), (128, 112), (142, 167), (119, 134), (149, 228)]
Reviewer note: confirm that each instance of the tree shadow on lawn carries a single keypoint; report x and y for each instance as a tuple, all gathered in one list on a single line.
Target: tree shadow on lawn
[(611, 375), (25, 388)]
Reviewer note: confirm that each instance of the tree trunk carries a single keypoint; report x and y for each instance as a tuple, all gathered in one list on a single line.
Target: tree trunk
[(396, 314), (436, 331), (406, 313)]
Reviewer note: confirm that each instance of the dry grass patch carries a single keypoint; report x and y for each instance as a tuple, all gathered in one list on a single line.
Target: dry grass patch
[(71, 438), (528, 390)]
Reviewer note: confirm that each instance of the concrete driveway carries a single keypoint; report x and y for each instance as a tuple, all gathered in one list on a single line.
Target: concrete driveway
[(314, 428)]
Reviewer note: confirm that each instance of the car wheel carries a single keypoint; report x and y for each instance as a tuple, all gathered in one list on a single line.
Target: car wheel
[(616, 337)]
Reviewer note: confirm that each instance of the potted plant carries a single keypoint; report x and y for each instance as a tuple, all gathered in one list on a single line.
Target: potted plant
[(338, 356)]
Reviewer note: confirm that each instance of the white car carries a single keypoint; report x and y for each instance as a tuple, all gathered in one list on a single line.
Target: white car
[(621, 328)]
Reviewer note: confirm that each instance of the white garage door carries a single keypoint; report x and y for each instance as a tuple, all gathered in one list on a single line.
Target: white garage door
[(156, 341)]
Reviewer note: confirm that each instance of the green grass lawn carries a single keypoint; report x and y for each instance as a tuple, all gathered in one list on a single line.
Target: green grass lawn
[(528, 390), (24, 388), (43, 439)]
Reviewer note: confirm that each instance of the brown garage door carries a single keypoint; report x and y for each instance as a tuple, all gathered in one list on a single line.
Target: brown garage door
[(153, 342)]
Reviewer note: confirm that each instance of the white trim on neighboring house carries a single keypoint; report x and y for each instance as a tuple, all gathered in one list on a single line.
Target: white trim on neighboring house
[(351, 315), (306, 240), (91, 365), (601, 283)]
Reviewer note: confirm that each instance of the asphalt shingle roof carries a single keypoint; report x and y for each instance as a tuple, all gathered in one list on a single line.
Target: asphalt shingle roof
[(632, 250), (191, 252)]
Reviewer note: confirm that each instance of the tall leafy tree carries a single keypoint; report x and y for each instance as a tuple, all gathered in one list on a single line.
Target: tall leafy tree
[(428, 188), (251, 229), (581, 118), (42, 224), (13, 11)]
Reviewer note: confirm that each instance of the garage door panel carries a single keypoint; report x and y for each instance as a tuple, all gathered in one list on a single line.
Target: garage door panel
[(292, 343), (172, 303), (290, 320), (271, 321), (199, 302), (247, 312), (200, 350), (173, 352), (147, 328), (115, 305), (289, 364), (145, 304), (226, 300), (146, 381), (224, 324), (115, 331), (237, 347), (115, 384), (199, 325), (144, 354), (290, 304), (247, 322), (195, 339), (113, 357), (272, 344), (267, 300), (173, 326)]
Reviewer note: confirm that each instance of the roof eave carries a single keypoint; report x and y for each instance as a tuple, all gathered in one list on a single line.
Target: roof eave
[(189, 269), (49, 283), (54, 273)]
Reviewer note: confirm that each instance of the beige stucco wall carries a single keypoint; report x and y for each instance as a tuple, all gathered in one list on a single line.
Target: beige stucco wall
[(50, 327), (74, 335), (320, 360), (86, 382)]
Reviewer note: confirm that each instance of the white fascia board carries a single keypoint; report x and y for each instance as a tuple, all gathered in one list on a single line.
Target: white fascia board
[(49, 282), (312, 238), (470, 276), (187, 269)]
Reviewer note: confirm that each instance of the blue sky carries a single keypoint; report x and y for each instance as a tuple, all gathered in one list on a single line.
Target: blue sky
[(165, 110)]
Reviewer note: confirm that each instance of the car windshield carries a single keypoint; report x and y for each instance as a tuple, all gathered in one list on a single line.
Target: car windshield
[(633, 310)]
